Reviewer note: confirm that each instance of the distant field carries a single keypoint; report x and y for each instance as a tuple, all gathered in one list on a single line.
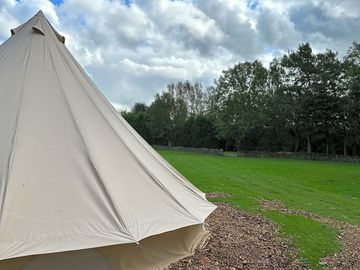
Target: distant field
[(326, 188)]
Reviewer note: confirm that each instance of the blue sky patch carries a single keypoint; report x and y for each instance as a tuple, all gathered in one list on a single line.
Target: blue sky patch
[(56, 2), (252, 4), (127, 2)]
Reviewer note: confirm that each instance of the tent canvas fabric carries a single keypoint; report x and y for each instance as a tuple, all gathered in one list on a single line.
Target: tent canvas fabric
[(79, 188)]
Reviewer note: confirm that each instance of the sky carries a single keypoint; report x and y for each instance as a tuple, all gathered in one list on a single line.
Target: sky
[(133, 48)]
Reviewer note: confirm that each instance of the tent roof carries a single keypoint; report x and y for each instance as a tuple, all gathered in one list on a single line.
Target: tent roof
[(73, 173)]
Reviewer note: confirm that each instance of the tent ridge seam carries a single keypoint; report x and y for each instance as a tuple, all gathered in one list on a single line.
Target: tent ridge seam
[(15, 136), (107, 192), (91, 233)]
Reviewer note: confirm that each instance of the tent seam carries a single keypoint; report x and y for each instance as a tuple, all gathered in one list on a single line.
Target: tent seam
[(115, 208), (15, 136), (91, 233)]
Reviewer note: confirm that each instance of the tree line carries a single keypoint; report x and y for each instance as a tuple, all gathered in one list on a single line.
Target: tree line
[(304, 101)]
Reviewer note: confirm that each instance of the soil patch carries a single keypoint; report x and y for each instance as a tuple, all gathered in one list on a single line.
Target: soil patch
[(240, 240), (216, 195)]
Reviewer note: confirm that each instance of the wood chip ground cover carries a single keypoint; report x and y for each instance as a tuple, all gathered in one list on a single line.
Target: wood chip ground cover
[(241, 240)]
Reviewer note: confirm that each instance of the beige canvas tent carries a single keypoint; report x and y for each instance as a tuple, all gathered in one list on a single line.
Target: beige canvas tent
[(79, 188)]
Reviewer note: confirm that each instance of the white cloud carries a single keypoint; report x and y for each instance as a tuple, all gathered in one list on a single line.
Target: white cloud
[(133, 51)]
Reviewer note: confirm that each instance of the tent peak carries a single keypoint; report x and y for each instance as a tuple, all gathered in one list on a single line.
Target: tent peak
[(38, 25), (40, 13)]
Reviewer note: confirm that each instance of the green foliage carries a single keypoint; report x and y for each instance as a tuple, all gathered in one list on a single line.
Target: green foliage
[(191, 94), (237, 99), (167, 114), (176, 117), (301, 72), (325, 102), (198, 131), (138, 119), (351, 101), (300, 103)]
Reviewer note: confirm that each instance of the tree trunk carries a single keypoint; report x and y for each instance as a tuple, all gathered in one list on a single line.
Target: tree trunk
[(297, 143), (333, 151), (169, 139), (327, 147), (308, 144), (345, 148), (238, 145), (354, 150)]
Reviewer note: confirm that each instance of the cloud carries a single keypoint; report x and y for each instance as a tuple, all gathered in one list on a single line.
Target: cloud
[(324, 27), (238, 23), (277, 32), (132, 49)]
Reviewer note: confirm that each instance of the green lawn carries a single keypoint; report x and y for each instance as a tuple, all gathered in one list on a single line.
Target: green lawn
[(326, 188)]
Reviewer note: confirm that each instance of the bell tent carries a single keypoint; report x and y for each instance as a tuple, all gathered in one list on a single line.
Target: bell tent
[(79, 188)]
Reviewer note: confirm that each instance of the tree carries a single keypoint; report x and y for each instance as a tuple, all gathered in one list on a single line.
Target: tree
[(167, 115), (279, 111), (300, 72), (325, 99), (351, 101), (138, 118), (199, 131), (236, 101), (191, 94), (163, 121)]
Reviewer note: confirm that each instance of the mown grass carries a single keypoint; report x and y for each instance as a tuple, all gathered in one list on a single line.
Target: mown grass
[(327, 188), (313, 239)]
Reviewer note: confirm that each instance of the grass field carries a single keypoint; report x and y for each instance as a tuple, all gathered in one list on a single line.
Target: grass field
[(326, 188)]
